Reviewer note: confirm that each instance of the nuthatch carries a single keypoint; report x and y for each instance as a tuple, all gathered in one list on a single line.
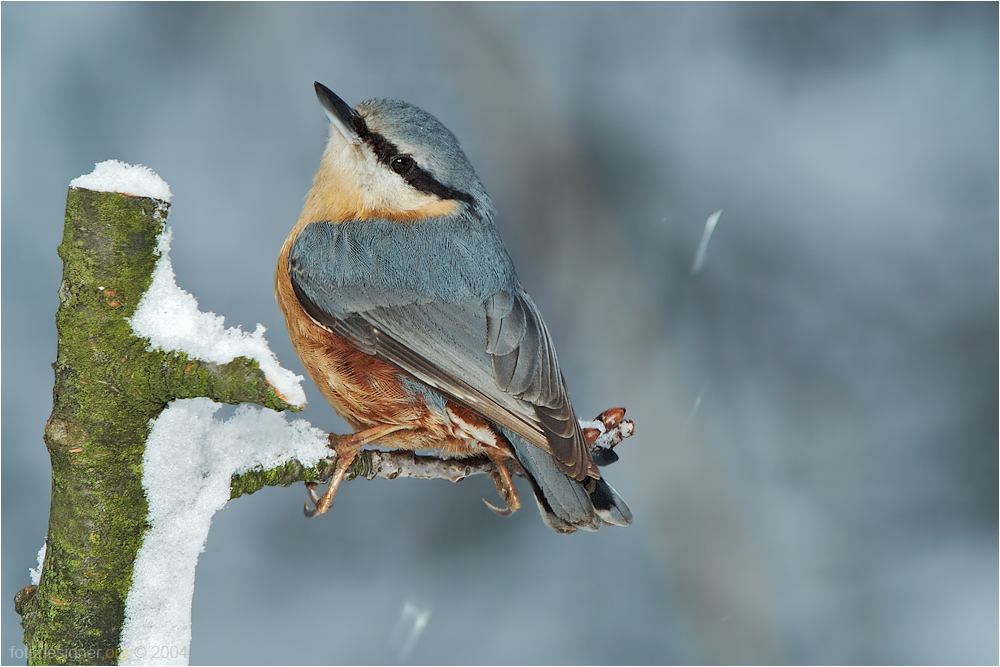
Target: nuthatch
[(404, 307)]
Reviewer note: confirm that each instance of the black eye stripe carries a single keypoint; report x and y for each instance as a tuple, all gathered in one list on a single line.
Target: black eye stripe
[(424, 182), (386, 151)]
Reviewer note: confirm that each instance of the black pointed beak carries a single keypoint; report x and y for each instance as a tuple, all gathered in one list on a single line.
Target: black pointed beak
[(345, 119)]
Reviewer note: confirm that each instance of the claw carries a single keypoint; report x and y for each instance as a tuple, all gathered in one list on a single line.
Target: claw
[(311, 492), (311, 496), (496, 510), (505, 485)]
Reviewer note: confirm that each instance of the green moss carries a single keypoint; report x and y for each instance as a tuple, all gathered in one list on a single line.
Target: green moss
[(286, 475), (293, 472)]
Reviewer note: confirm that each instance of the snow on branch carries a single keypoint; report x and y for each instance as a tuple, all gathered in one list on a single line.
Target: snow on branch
[(187, 470), (169, 317), (124, 179), (130, 344)]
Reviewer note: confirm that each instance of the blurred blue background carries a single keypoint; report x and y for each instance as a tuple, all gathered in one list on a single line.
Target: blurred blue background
[(814, 473)]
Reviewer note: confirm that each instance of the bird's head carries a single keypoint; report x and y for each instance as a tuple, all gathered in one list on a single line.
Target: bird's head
[(389, 159)]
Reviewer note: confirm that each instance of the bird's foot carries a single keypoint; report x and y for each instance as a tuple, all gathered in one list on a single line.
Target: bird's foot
[(505, 486), (311, 497), (506, 511), (347, 447)]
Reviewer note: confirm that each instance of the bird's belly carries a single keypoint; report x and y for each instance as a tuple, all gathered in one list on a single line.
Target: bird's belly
[(362, 389)]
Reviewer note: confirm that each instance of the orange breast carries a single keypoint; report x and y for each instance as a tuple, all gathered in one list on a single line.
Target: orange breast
[(362, 389)]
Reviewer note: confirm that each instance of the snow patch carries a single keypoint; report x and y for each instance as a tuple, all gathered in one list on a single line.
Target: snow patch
[(189, 461), (169, 317), (125, 179)]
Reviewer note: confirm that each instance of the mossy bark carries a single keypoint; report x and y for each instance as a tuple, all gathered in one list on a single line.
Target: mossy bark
[(108, 386)]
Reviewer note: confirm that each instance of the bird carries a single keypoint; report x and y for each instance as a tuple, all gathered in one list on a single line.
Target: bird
[(404, 307)]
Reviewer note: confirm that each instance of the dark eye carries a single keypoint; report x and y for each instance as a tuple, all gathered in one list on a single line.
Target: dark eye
[(402, 164)]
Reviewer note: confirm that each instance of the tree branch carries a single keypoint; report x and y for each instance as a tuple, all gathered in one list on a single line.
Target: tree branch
[(604, 433), (108, 387), (368, 464)]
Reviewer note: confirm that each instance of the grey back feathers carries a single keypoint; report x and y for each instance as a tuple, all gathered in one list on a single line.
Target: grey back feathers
[(366, 264)]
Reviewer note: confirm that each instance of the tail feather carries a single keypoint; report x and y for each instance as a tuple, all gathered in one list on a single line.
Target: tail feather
[(553, 521), (564, 503), (609, 506)]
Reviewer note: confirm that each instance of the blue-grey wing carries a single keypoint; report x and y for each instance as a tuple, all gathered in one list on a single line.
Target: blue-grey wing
[(524, 364), (493, 354)]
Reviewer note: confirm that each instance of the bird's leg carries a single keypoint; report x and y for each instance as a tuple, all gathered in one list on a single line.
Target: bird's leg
[(347, 447), (504, 482), (470, 426)]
